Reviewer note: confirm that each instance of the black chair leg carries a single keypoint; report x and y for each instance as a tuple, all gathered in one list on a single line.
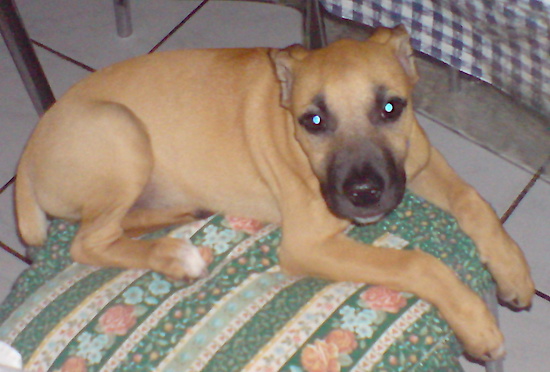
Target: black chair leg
[(315, 36), (24, 57)]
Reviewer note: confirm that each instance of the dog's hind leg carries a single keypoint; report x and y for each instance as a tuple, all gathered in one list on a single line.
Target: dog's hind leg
[(31, 219), (97, 177), (102, 241), (141, 221)]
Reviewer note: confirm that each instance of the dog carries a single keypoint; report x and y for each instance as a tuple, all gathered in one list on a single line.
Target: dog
[(311, 140)]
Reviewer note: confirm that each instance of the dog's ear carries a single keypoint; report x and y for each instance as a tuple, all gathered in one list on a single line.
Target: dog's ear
[(399, 40), (284, 62)]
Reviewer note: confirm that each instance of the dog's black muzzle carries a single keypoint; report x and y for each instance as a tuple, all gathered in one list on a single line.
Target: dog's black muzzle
[(363, 184)]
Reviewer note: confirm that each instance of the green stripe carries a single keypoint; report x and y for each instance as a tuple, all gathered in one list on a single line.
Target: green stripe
[(246, 343)]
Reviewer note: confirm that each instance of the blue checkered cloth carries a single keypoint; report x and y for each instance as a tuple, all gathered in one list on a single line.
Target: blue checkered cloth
[(503, 42)]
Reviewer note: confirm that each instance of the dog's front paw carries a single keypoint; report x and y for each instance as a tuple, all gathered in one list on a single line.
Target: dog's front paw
[(513, 277), (177, 259), (515, 287), (485, 343), (477, 329)]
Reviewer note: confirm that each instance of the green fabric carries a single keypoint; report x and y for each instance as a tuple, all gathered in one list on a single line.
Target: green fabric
[(245, 315)]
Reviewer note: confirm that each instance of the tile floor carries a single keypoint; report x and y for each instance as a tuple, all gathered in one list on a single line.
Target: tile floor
[(85, 32)]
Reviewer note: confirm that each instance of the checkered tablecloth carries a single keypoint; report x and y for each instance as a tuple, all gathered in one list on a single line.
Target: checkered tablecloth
[(503, 42)]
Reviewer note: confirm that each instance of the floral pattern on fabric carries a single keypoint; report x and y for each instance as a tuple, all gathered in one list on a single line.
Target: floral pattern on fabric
[(67, 317), (383, 299)]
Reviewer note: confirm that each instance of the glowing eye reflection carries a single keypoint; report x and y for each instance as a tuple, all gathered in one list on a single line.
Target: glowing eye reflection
[(389, 107), (316, 119)]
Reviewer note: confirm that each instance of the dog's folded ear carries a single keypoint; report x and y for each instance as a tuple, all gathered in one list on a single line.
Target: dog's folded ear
[(398, 38), (284, 62)]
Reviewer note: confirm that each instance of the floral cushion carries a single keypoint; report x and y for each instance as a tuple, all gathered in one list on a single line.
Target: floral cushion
[(245, 315)]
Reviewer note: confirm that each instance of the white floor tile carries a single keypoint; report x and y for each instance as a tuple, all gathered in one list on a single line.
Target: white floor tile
[(61, 74), (10, 268), (529, 225), (497, 180), (85, 30), (232, 24), (17, 114), (527, 337)]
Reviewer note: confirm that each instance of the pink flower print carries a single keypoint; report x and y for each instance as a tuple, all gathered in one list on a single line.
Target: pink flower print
[(384, 299), (343, 339), (246, 225), (118, 320), (74, 364), (321, 356)]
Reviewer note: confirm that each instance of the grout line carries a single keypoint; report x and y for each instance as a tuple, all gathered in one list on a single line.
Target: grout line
[(3, 188), (63, 56), (13, 252), (542, 295), (521, 195), (164, 39)]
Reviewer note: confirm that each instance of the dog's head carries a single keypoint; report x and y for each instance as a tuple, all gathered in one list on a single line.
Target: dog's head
[(351, 104)]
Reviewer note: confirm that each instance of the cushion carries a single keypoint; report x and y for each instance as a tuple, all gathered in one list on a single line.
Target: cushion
[(245, 315)]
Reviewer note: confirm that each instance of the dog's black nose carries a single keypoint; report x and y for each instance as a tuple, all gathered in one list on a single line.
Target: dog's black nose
[(364, 190)]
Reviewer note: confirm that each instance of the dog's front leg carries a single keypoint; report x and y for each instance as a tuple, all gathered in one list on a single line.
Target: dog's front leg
[(438, 183), (322, 252)]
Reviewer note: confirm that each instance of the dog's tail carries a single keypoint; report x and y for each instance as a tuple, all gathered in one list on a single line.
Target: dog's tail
[(31, 219)]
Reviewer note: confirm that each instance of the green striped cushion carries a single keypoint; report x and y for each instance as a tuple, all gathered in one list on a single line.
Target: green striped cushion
[(245, 316)]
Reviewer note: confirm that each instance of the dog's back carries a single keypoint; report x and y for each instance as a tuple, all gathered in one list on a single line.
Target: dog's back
[(155, 97)]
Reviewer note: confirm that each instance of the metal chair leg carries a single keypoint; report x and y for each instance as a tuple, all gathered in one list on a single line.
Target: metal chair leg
[(490, 299), (123, 18), (315, 35), (20, 47)]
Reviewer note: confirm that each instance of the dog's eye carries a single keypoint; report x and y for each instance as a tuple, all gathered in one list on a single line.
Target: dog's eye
[(313, 123), (392, 109)]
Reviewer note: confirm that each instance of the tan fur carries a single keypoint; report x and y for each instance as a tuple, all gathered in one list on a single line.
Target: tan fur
[(150, 141)]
